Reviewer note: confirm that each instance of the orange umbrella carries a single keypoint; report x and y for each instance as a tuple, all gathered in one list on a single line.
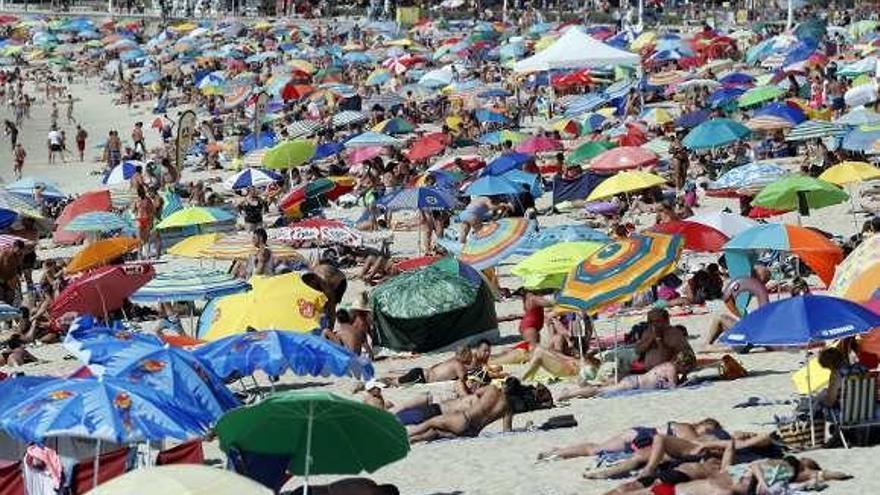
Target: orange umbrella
[(100, 253)]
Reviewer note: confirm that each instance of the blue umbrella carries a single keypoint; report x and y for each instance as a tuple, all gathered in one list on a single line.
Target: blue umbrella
[(505, 163), (715, 133), (492, 185), (167, 370), (860, 140), (749, 176), (532, 181), (584, 104), (724, 96), (267, 140), (275, 352), (419, 198), (188, 285), (802, 320), (26, 185), (327, 150), (97, 221), (776, 109), (123, 172), (107, 409), (494, 93), (736, 79), (252, 177), (487, 116), (148, 77), (548, 236), (371, 138), (692, 119)]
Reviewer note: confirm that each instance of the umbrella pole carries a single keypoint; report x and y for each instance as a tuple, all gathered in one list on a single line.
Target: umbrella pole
[(852, 203), (308, 448), (96, 464), (810, 403), (616, 347)]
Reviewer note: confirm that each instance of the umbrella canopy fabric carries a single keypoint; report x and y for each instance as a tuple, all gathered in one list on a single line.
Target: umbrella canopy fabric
[(276, 351), (815, 129), (814, 249), (749, 177), (548, 267), (321, 432), (618, 271), (697, 237), (492, 185), (167, 370), (87, 202), (849, 172), (801, 320), (625, 182), (624, 158), (494, 242), (289, 154), (181, 479), (109, 409), (715, 133), (318, 231), (102, 291), (251, 177), (123, 172), (241, 245), (548, 236), (280, 301), (857, 278), (372, 139), (27, 185), (758, 95), (195, 215), (729, 224), (419, 198), (100, 253), (188, 285), (97, 221), (788, 193), (588, 151)]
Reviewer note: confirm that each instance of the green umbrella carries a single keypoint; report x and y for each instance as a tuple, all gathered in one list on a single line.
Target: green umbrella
[(787, 194), (588, 151), (321, 432), (756, 96), (289, 154)]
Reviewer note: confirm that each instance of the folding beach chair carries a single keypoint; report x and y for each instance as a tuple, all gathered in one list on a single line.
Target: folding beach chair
[(858, 403)]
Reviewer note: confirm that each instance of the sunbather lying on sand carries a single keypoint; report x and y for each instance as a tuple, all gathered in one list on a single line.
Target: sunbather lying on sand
[(663, 376), (455, 368), (492, 405), (759, 476)]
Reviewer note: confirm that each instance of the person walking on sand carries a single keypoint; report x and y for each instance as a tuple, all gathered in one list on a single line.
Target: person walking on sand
[(54, 114), (144, 210), (18, 156), (81, 136), (70, 118), (53, 142), (11, 130)]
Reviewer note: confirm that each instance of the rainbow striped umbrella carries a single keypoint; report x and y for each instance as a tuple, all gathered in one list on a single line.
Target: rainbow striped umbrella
[(618, 271), (494, 242)]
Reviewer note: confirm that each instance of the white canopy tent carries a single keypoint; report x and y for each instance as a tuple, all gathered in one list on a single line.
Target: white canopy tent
[(576, 49)]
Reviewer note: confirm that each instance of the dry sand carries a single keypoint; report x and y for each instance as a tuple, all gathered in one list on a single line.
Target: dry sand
[(493, 463)]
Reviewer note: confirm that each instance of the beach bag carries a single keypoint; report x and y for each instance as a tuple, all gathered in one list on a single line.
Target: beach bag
[(795, 433), (731, 369), (563, 421)]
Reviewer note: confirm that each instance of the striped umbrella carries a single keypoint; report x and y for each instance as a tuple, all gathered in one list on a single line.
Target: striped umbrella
[(194, 215), (17, 205), (251, 177), (238, 246), (494, 242), (189, 285), (856, 277), (815, 129), (121, 173), (318, 231), (768, 123), (747, 178), (97, 221), (8, 312), (385, 100), (618, 271), (584, 104), (304, 128), (348, 117), (372, 139), (8, 240)]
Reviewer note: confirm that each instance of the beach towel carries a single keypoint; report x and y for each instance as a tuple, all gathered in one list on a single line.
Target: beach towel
[(690, 384)]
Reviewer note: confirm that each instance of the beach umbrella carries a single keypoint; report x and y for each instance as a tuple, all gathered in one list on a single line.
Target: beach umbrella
[(241, 246), (322, 433), (181, 479), (715, 133), (494, 242), (275, 352), (372, 139), (625, 182), (101, 291), (857, 278), (623, 158), (192, 246), (791, 114), (107, 409), (588, 151), (748, 178), (326, 150), (97, 221), (697, 236), (251, 177), (26, 186), (426, 147), (418, 198), (758, 95), (194, 215), (505, 162), (859, 117), (796, 191), (14, 204), (538, 144), (548, 236), (849, 172), (304, 128), (618, 271), (280, 301), (497, 138), (265, 139), (394, 125), (288, 154), (492, 185), (815, 129), (85, 203), (811, 247), (547, 268), (100, 253), (729, 224), (801, 320), (315, 194), (531, 181), (318, 231), (657, 116), (721, 98), (168, 370), (193, 284)]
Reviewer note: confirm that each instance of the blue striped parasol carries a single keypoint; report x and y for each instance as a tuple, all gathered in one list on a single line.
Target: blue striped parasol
[(189, 285), (97, 221)]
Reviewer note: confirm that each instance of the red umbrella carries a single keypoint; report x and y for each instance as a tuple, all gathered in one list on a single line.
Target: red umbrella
[(538, 144), (102, 291), (697, 236), (88, 202), (427, 146), (296, 91), (761, 212), (411, 264), (572, 79), (469, 163), (635, 136), (624, 158)]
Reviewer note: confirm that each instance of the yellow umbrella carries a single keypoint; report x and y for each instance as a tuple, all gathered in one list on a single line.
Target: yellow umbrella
[(548, 267), (850, 172), (404, 42), (192, 247), (453, 122), (100, 253), (819, 377), (625, 182), (303, 66), (644, 39), (181, 479), (238, 246), (281, 302)]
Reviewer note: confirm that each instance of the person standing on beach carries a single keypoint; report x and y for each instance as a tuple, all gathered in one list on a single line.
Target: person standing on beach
[(70, 119), (144, 210), (137, 138), (18, 156), (112, 150), (53, 142), (81, 136), (54, 114), (11, 131)]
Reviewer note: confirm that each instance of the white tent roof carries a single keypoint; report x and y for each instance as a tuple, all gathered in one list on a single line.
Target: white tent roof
[(575, 49)]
